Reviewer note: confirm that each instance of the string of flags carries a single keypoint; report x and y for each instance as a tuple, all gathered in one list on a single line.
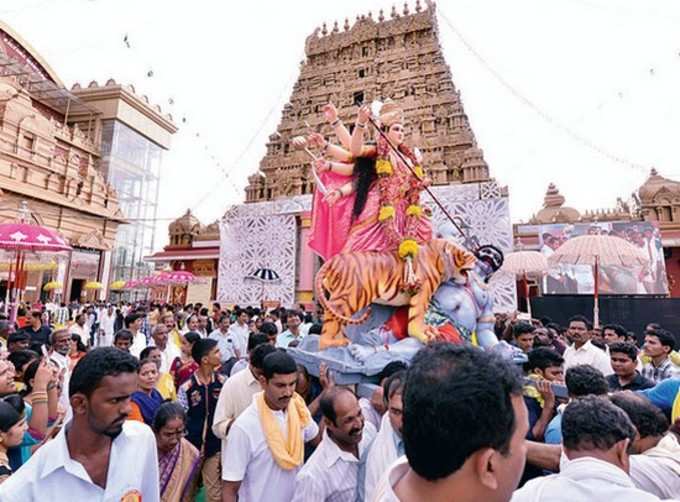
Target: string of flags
[(574, 135)]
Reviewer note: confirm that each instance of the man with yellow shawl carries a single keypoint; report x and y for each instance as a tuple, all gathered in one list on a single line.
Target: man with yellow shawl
[(265, 447)]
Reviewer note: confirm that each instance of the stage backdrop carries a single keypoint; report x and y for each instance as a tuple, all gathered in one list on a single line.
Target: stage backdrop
[(614, 280)]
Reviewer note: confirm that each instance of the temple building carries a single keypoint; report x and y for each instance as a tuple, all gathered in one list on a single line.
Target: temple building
[(86, 161), (394, 55), (195, 248), (656, 201)]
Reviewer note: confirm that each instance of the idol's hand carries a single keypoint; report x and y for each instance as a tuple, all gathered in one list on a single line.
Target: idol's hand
[(316, 140), (322, 165), (364, 114), (299, 142), (332, 197), (330, 113)]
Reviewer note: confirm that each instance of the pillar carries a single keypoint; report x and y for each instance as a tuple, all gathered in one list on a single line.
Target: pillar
[(305, 291)]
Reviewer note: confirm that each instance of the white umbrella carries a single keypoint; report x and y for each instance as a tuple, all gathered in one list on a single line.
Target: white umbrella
[(597, 251), (522, 263)]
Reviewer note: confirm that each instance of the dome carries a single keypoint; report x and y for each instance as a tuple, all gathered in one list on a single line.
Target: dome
[(554, 210), (187, 223), (654, 184)]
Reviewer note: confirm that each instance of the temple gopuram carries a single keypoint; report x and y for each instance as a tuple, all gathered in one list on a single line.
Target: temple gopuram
[(396, 56)]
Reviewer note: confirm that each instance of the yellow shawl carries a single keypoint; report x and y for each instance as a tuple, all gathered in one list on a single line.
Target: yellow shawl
[(288, 453)]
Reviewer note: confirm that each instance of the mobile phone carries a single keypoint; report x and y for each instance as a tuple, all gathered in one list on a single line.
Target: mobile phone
[(43, 349), (558, 389)]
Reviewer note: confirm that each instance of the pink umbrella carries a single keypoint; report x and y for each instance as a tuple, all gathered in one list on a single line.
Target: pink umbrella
[(24, 240), (28, 237), (148, 281), (180, 277), (131, 284)]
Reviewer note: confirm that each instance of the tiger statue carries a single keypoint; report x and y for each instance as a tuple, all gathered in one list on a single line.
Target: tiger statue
[(355, 280)]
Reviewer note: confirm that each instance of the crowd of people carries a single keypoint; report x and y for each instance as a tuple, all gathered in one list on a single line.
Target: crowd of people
[(178, 403)]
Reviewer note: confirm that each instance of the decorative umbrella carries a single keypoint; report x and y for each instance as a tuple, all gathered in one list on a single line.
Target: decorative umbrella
[(264, 276), (597, 251), (27, 242), (52, 286), (131, 284), (93, 285), (32, 266), (179, 277), (148, 281), (117, 285), (523, 263)]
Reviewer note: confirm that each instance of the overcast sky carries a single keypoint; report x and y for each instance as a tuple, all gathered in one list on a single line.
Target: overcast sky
[(555, 90)]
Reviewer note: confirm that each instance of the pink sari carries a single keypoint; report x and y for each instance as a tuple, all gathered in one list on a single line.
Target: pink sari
[(333, 230), (330, 224)]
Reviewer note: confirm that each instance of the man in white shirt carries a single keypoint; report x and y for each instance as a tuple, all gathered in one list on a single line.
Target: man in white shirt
[(656, 466), (107, 321), (97, 456), (159, 338), (133, 323), (464, 427), (239, 331), (331, 473), (389, 444), (79, 328), (238, 391), (596, 437), (258, 464), (225, 341), (60, 341), (582, 351)]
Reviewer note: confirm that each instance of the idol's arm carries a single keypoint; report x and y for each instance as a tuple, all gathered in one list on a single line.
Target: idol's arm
[(331, 114), (486, 337), (341, 168), (357, 141)]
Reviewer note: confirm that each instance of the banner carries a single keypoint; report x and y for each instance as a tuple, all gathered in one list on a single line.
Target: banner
[(614, 280)]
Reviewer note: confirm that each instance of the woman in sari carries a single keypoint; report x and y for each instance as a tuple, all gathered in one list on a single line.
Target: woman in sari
[(146, 399), (178, 459), (76, 351), (184, 366), (13, 426)]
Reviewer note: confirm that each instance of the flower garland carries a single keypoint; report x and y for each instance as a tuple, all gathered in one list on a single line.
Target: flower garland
[(406, 243)]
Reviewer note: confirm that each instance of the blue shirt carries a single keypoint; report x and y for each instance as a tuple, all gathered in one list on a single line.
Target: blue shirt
[(663, 394), (284, 339), (553, 433)]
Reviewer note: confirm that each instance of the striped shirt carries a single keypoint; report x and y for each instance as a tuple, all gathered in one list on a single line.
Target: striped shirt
[(662, 372), (330, 474)]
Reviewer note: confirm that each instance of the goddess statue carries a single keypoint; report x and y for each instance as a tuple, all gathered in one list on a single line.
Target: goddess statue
[(374, 204)]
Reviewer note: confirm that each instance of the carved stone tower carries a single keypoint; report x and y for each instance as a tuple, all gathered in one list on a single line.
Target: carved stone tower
[(397, 57)]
